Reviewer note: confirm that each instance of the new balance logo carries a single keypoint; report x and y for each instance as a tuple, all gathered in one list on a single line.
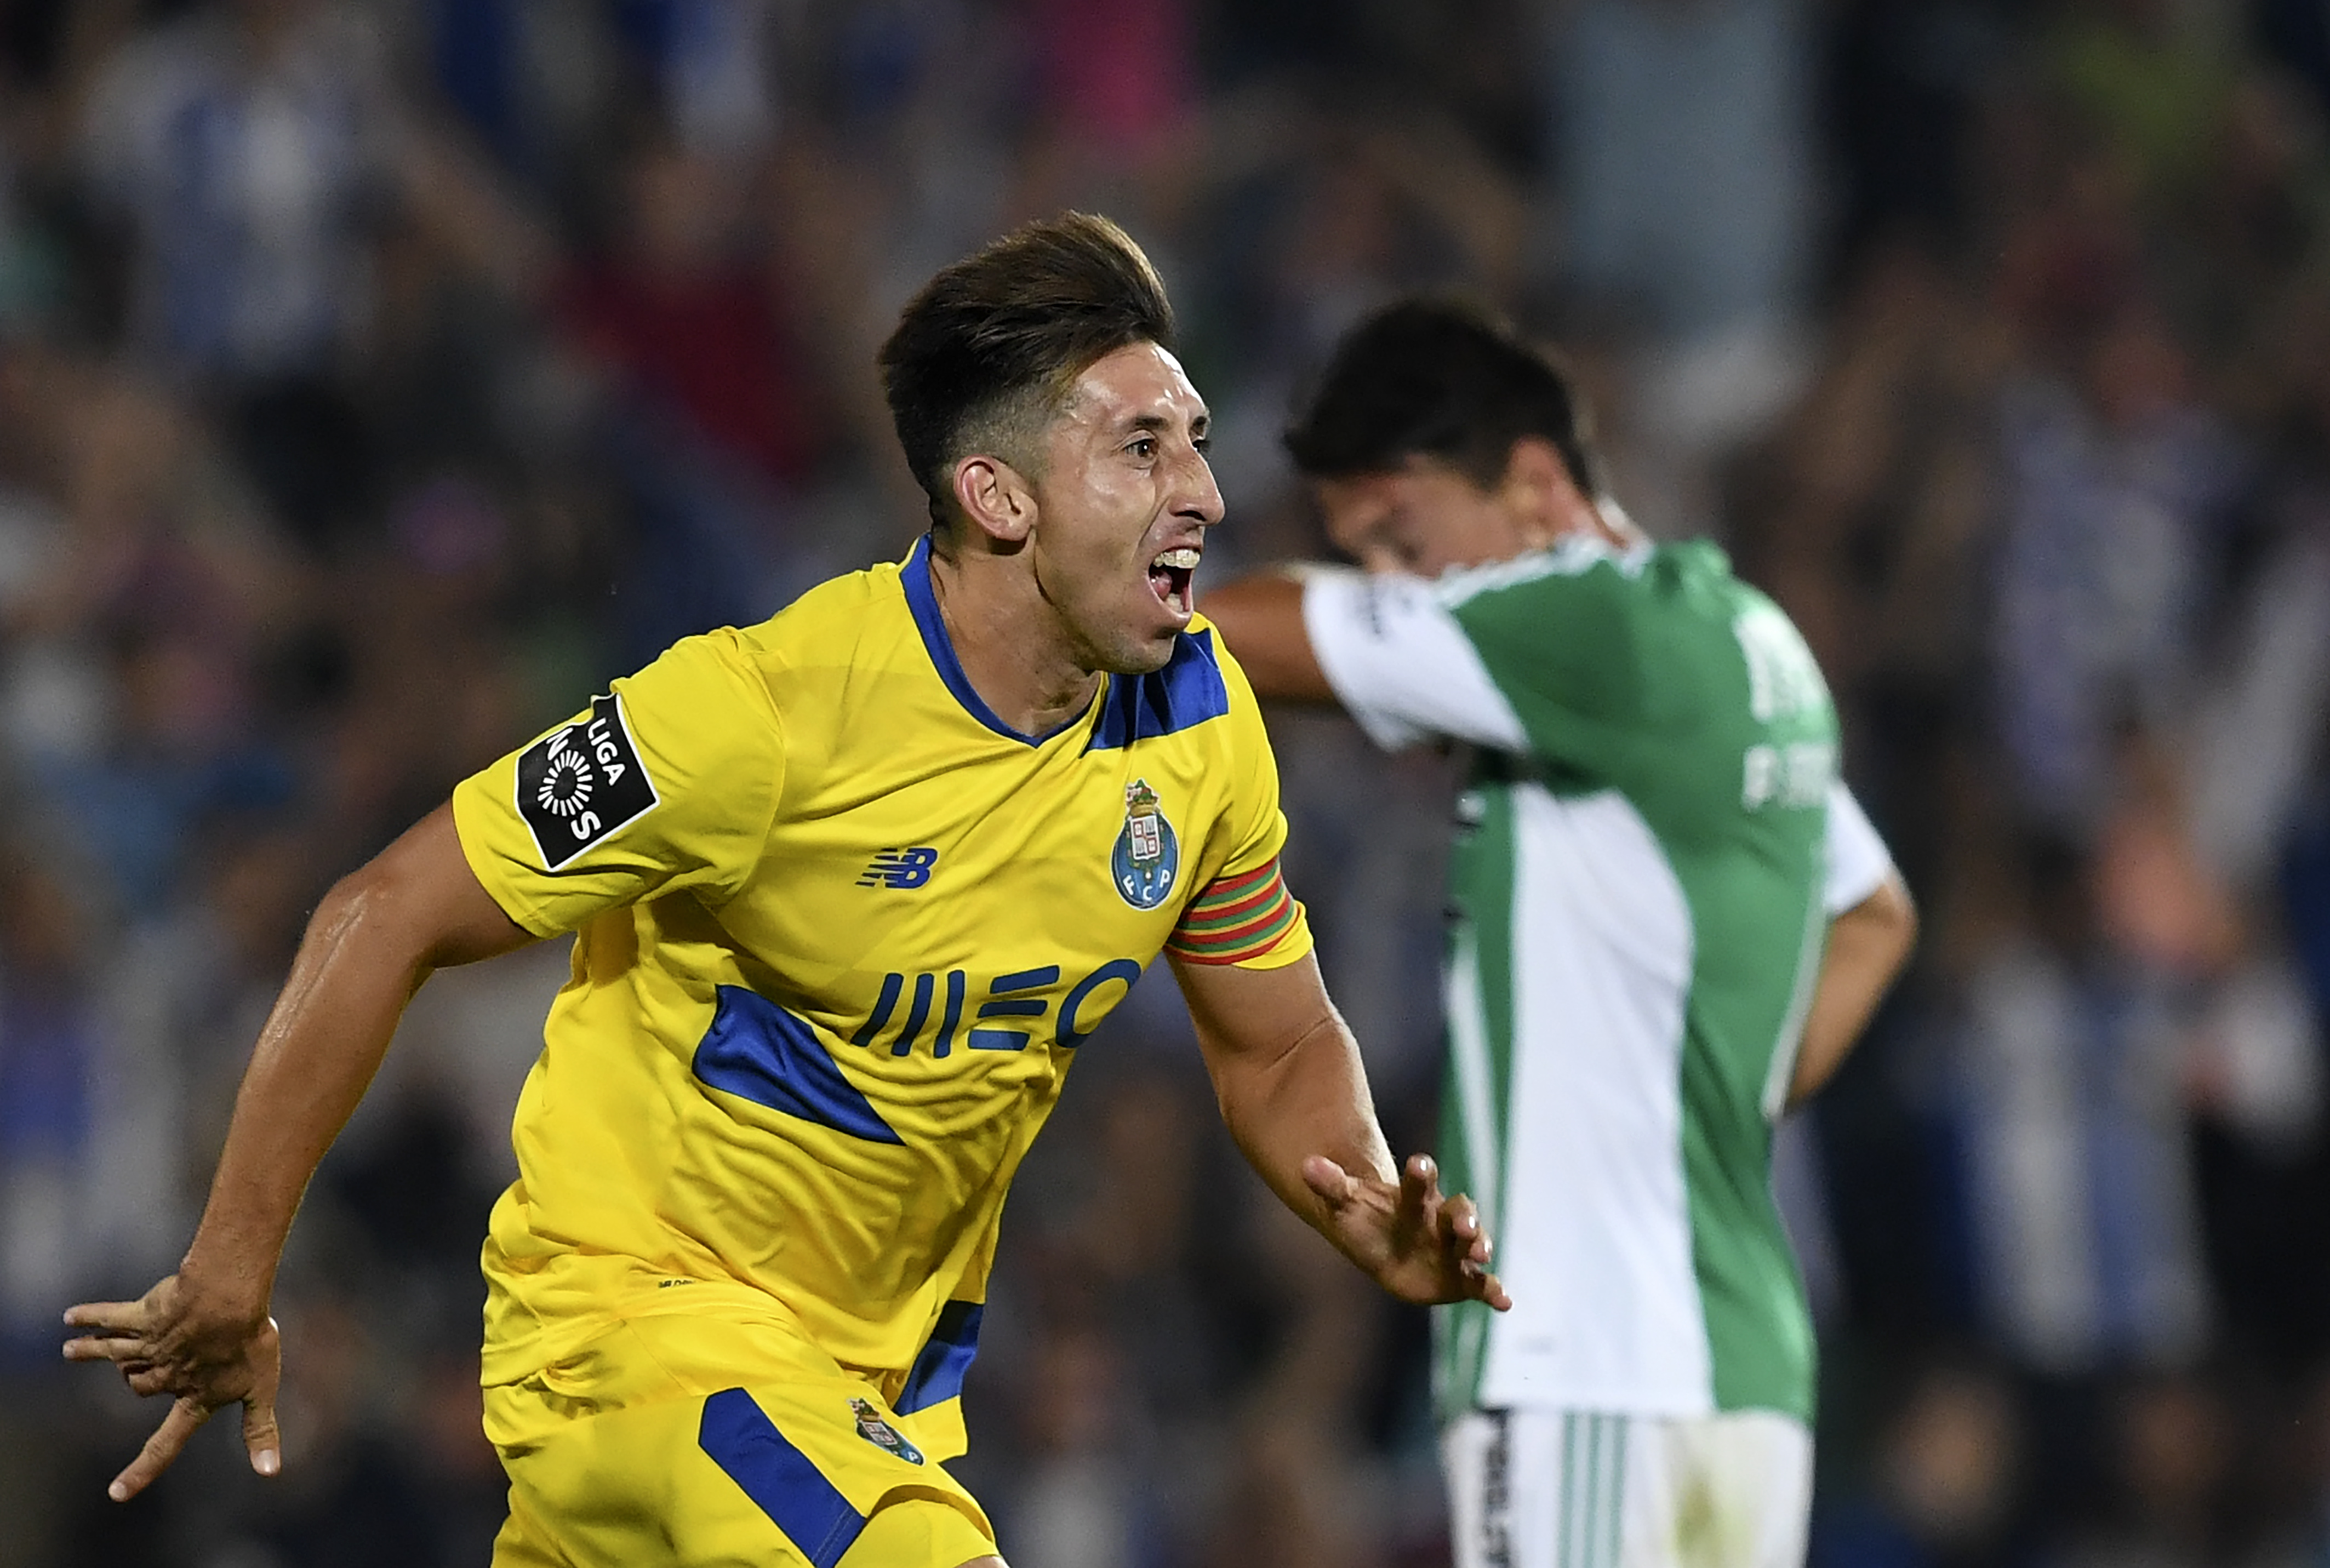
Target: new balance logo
[(900, 867)]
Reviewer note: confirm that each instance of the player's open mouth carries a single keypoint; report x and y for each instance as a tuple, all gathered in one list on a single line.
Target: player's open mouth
[(1170, 575)]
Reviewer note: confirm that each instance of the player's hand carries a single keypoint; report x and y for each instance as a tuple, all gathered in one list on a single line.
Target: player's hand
[(174, 1340), (1420, 1246)]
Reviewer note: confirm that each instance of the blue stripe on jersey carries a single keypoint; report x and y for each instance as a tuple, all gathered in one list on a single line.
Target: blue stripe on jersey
[(915, 577), (761, 1053), (790, 1490), (938, 1371), (1186, 693)]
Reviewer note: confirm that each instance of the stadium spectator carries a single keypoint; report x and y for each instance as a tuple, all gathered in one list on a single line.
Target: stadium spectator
[(243, 146)]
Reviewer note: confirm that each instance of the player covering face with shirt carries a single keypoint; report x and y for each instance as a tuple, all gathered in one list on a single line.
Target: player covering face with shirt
[(848, 891), (1670, 923)]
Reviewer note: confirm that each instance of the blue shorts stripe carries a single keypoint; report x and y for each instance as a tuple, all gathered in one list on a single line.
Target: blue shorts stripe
[(938, 1371), (794, 1493)]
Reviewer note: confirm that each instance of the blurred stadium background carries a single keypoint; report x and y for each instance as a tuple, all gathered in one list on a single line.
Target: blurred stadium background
[(377, 380)]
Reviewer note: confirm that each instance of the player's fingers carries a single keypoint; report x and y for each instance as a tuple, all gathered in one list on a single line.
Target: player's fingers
[(261, 1439), (129, 1352), (1419, 1190), (1487, 1288), (1331, 1181), (146, 1379), (92, 1348), (161, 1448), (108, 1317), (1461, 1217), (1470, 1238)]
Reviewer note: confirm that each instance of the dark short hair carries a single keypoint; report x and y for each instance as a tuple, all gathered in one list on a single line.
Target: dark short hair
[(1446, 379), (983, 355)]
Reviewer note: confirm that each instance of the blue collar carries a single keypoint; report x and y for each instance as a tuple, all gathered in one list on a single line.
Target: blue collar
[(923, 600)]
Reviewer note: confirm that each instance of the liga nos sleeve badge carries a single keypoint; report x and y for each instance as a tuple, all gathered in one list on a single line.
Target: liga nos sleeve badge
[(578, 784)]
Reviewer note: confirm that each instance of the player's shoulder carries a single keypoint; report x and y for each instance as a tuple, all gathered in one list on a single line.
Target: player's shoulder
[(828, 622), (1572, 565), (775, 665), (1586, 580), (1201, 646), (1201, 650), (845, 621)]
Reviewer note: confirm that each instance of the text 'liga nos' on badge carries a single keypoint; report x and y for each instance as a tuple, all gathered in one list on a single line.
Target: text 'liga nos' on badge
[(581, 782), (1147, 857)]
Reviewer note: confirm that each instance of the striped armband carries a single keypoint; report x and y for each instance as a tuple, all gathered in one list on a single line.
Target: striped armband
[(1235, 919)]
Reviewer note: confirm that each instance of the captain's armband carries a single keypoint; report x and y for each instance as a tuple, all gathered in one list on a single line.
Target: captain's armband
[(1246, 918)]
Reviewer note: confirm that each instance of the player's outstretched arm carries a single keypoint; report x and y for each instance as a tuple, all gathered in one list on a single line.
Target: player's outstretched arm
[(1287, 1074), (203, 1336), (1260, 621), (1867, 946)]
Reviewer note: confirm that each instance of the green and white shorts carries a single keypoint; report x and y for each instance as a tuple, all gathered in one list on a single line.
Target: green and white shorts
[(1550, 1488)]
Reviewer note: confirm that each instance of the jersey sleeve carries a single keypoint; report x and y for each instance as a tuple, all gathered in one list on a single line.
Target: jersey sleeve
[(669, 782), (1858, 860), (1400, 663), (1244, 914)]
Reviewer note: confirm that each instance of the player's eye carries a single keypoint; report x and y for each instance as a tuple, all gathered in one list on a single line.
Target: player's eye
[(1204, 443), (1143, 447)]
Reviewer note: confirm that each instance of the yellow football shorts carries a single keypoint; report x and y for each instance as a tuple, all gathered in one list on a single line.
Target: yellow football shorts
[(686, 1439)]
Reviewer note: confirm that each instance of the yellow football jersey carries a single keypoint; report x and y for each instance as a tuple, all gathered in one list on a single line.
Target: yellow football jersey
[(839, 932)]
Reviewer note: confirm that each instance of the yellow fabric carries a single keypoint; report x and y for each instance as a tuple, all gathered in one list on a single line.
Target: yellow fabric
[(620, 1456), (838, 834)]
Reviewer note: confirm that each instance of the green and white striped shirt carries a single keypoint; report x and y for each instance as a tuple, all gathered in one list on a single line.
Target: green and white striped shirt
[(1650, 848)]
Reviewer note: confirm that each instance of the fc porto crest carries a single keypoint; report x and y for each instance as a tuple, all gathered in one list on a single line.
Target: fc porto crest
[(882, 1434), (1147, 857)]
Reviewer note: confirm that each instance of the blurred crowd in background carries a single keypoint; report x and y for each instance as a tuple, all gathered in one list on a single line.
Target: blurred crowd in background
[(377, 381)]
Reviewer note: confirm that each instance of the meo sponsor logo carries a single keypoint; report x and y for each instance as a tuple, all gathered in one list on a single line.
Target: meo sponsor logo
[(578, 784), (1011, 1018), (909, 867)]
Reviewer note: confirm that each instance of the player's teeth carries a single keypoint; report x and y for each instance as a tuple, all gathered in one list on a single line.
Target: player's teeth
[(1185, 559)]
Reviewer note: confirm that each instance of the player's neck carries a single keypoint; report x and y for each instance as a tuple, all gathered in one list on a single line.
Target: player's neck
[(1607, 521), (1613, 529), (1007, 639)]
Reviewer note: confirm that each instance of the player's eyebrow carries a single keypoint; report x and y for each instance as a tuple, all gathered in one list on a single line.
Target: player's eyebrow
[(1199, 423)]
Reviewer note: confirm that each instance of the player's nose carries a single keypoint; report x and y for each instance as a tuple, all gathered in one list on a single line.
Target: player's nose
[(1196, 495)]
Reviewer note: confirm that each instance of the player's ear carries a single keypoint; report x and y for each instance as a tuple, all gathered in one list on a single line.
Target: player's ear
[(1537, 486), (1534, 464), (991, 492)]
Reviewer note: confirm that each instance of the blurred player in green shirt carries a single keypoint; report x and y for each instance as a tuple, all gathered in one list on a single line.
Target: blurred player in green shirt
[(1670, 921)]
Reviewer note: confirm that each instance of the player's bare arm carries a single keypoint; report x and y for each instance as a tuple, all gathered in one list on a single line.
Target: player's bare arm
[(202, 1335), (1867, 946), (1260, 618), (1287, 1074)]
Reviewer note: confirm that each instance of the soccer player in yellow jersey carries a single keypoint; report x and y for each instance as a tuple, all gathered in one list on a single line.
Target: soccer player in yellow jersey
[(848, 889)]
